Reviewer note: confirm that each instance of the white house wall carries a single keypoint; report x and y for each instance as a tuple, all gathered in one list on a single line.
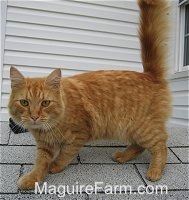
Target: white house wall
[(178, 79), (77, 36)]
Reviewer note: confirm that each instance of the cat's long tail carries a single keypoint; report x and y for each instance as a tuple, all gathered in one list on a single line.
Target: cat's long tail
[(152, 32)]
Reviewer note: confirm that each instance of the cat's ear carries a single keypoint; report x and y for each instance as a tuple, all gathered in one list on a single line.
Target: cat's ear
[(53, 79), (17, 79)]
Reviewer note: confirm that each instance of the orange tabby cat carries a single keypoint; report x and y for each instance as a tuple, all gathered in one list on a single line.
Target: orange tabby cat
[(64, 114)]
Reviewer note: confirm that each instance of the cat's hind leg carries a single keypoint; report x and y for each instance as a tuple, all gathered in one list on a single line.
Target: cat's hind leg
[(158, 161), (130, 153), (154, 140)]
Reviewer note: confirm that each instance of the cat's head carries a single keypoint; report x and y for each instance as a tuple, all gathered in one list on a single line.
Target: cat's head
[(35, 103)]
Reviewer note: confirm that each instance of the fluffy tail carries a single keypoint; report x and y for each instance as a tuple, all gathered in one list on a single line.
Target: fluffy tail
[(152, 32)]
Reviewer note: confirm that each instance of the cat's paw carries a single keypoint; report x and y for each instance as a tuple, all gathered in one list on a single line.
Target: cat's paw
[(55, 168), (27, 182), (118, 157), (153, 174)]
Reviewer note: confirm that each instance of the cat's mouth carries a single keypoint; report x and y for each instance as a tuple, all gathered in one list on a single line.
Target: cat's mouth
[(39, 126), (43, 125), (36, 126), (30, 124)]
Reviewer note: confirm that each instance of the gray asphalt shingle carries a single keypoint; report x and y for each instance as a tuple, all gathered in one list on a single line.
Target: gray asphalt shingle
[(17, 154), (41, 197), (20, 154), (89, 174), (100, 167), (182, 153), (178, 136), (175, 176), (172, 195), (103, 155), (21, 139), (8, 178)]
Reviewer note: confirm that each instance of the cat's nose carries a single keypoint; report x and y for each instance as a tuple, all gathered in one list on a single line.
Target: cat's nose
[(34, 117)]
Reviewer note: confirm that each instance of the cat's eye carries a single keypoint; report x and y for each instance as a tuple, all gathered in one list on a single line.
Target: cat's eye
[(24, 102), (45, 103)]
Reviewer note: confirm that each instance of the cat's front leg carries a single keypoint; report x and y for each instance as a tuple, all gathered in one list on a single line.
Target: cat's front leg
[(43, 159), (67, 154)]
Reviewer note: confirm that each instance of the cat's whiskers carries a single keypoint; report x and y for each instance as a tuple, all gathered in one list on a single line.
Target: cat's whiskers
[(46, 135), (54, 134), (18, 126), (15, 127), (54, 126), (46, 129)]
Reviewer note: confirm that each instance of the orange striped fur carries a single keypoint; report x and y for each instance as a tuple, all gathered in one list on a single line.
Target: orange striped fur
[(125, 105)]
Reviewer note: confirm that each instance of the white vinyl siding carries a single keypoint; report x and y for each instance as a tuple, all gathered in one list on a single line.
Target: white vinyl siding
[(80, 36), (179, 88), (179, 79)]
